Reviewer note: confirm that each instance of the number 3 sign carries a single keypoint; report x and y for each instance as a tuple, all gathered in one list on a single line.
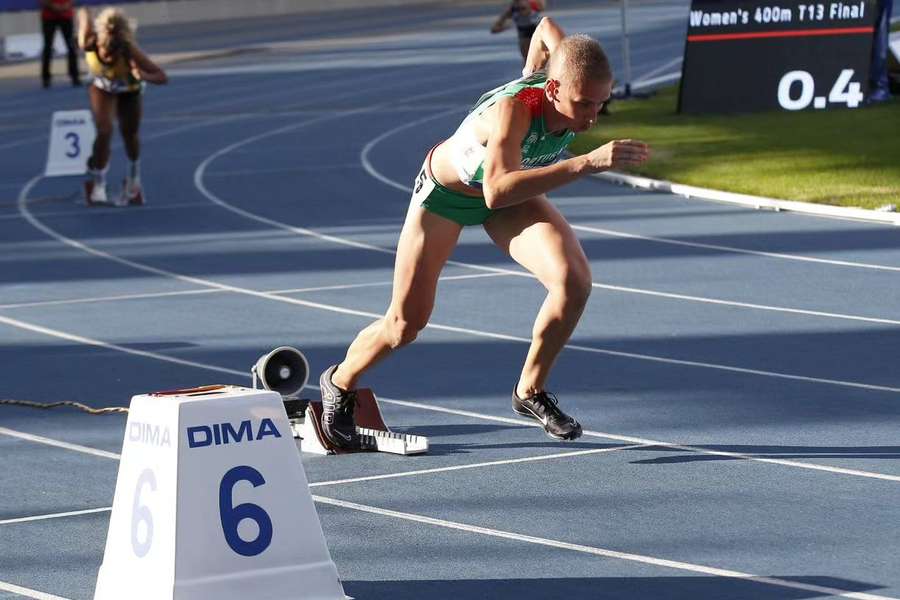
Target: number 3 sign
[(71, 137)]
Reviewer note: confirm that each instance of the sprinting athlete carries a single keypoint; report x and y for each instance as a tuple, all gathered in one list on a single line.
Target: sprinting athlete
[(119, 69), (525, 14), (495, 171)]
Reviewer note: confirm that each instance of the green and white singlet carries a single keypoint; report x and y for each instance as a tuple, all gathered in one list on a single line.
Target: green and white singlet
[(539, 148)]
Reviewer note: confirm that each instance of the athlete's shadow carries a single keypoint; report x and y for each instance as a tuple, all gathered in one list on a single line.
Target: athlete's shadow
[(599, 588)]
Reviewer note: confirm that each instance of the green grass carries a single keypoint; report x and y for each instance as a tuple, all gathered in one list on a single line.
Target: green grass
[(843, 157), (895, 26)]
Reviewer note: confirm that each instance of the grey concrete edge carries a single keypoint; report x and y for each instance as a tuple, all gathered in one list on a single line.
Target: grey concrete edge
[(757, 202)]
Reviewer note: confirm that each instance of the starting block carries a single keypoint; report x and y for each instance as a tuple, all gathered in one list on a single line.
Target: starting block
[(285, 370), (306, 423), (212, 501)]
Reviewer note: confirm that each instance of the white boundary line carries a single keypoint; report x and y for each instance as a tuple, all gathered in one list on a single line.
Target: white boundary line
[(758, 202), (24, 142), (733, 303), (646, 84), (98, 210), (205, 291), (73, 513), (57, 443), (133, 351), (474, 415), (812, 259), (510, 461), (653, 72), (592, 550), (23, 591)]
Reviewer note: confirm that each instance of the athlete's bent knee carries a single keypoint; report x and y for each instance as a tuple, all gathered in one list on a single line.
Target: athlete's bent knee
[(401, 332), (576, 283)]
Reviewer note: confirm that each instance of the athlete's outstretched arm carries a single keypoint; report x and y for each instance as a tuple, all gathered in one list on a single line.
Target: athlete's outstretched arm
[(85, 28), (544, 41), (502, 21), (507, 184), (145, 69)]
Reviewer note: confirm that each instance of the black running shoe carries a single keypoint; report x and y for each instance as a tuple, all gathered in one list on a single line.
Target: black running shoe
[(544, 407), (338, 424)]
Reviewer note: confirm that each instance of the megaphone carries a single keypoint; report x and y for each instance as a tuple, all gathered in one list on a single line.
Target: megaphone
[(283, 370)]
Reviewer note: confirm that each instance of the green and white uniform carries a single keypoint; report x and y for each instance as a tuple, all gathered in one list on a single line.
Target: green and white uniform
[(539, 149)]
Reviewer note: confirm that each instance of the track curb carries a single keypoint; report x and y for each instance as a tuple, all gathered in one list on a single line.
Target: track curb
[(757, 202)]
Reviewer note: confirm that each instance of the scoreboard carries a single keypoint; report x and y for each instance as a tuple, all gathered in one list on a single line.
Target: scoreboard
[(756, 55)]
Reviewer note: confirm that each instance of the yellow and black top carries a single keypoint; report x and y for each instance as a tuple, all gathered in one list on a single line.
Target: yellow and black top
[(114, 77)]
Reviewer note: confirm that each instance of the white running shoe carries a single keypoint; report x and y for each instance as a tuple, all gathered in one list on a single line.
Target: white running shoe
[(132, 192), (95, 193)]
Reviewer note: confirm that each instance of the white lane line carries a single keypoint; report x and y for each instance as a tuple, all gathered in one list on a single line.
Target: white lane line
[(30, 437), (258, 97), (276, 114), (595, 551), (827, 261), (24, 142), (99, 344), (23, 208), (96, 299), (648, 442), (768, 307), (73, 513), (474, 415), (106, 211), (480, 465), (542, 457), (653, 82), (206, 291), (28, 593), (660, 69), (293, 169)]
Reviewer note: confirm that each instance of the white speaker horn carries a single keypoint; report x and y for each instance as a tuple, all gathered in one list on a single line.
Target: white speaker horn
[(283, 370)]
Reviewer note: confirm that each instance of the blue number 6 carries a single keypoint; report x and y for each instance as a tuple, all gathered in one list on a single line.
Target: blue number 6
[(231, 516), (75, 150)]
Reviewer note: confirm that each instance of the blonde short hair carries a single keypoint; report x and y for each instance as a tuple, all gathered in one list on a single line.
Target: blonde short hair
[(581, 58)]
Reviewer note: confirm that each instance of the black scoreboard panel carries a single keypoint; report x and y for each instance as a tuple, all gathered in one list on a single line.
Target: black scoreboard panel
[(753, 56)]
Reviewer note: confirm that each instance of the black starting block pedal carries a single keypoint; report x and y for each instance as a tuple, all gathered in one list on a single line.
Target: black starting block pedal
[(306, 422)]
